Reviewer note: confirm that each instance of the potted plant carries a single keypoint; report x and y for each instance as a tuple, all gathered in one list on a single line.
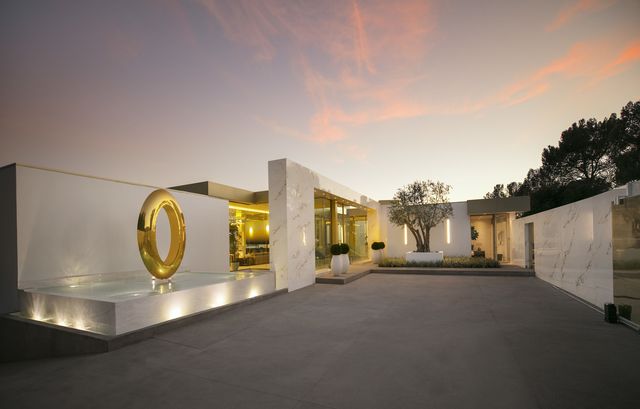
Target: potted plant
[(344, 253), (474, 237), (336, 259), (234, 236), (377, 247), (624, 310)]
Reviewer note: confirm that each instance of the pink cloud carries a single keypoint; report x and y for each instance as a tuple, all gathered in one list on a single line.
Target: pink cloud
[(362, 52), (365, 45), (625, 58), (374, 54), (575, 62), (567, 14)]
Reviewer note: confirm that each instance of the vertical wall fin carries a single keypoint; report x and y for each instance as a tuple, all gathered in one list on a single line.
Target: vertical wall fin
[(8, 241)]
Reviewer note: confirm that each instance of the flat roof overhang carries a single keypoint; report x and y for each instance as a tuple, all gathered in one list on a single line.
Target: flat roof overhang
[(501, 205), (230, 193), (342, 200)]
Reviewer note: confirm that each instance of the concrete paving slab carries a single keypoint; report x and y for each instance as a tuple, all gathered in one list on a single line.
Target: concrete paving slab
[(384, 341)]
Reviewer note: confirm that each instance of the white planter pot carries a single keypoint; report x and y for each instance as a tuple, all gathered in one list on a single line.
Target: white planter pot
[(377, 256), (336, 264), (430, 257), (345, 262)]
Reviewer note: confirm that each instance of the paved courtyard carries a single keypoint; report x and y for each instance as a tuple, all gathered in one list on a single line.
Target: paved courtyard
[(401, 341)]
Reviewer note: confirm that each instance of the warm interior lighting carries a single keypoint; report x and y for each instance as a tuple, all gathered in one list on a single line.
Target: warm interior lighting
[(251, 231), (267, 228), (248, 209), (448, 229), (406, 241)]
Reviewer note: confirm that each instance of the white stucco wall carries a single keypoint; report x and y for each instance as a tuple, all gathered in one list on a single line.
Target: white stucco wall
[(573, 246), (76, 225), (460, 243)]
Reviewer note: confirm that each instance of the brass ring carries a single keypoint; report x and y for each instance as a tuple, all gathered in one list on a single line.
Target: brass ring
[(147, 244)]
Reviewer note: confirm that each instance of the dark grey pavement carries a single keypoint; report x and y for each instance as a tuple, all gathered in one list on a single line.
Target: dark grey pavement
[(384, 341)]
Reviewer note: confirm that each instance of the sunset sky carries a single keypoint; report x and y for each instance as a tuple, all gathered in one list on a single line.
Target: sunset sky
[(372, 94)]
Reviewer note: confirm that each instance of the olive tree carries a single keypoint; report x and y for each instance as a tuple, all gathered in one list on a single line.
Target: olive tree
[(420, 206)]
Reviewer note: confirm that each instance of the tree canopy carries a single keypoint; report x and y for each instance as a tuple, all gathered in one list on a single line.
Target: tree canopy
[(590, 158), (627, 157), (420, 206)]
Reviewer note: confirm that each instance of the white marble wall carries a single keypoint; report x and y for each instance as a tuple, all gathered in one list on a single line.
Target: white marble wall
[(292, 235), (291, 214), (573, 246), (460, 236)]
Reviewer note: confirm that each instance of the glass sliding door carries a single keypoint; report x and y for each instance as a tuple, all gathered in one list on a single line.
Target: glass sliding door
[(323, 231), (482, 246), (357, 234), (502, 238), (339, 221)]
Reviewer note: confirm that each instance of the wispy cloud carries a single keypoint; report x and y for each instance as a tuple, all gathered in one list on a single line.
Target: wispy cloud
[(575, 62), (371, 51), (570, 12), (622, 62), (360, 62), (362, 53), (590, 62)]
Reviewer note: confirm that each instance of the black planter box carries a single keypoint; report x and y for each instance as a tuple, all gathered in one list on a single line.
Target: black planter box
[(610, 313)]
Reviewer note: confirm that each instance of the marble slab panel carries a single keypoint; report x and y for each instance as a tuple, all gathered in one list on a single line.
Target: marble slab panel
[(120, 306), (573, 246)]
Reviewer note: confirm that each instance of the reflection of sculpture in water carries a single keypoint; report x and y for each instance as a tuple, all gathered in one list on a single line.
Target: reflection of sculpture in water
[(161, 288)]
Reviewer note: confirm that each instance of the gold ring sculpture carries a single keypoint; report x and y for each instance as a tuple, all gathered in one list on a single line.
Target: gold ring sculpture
[(147, 244)]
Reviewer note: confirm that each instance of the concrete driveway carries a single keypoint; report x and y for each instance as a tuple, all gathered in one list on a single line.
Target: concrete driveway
[(401, 341)]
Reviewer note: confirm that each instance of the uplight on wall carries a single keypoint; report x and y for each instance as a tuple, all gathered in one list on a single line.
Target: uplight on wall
[(447, 226), (174, 312), (405, 235), (267, 228), (218, 299)]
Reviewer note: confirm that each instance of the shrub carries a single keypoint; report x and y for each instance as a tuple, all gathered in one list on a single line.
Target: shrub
[(448, 262), (336, 250), (474, 233), (377, 245), (344, 248), (624, 310)]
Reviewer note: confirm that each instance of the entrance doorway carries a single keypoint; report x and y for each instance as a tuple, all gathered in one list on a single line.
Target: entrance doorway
[(492, 236), (339, 221)]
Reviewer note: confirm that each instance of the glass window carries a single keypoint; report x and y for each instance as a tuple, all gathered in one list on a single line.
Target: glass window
[(248, 236), (626, 258), (339, 221)]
